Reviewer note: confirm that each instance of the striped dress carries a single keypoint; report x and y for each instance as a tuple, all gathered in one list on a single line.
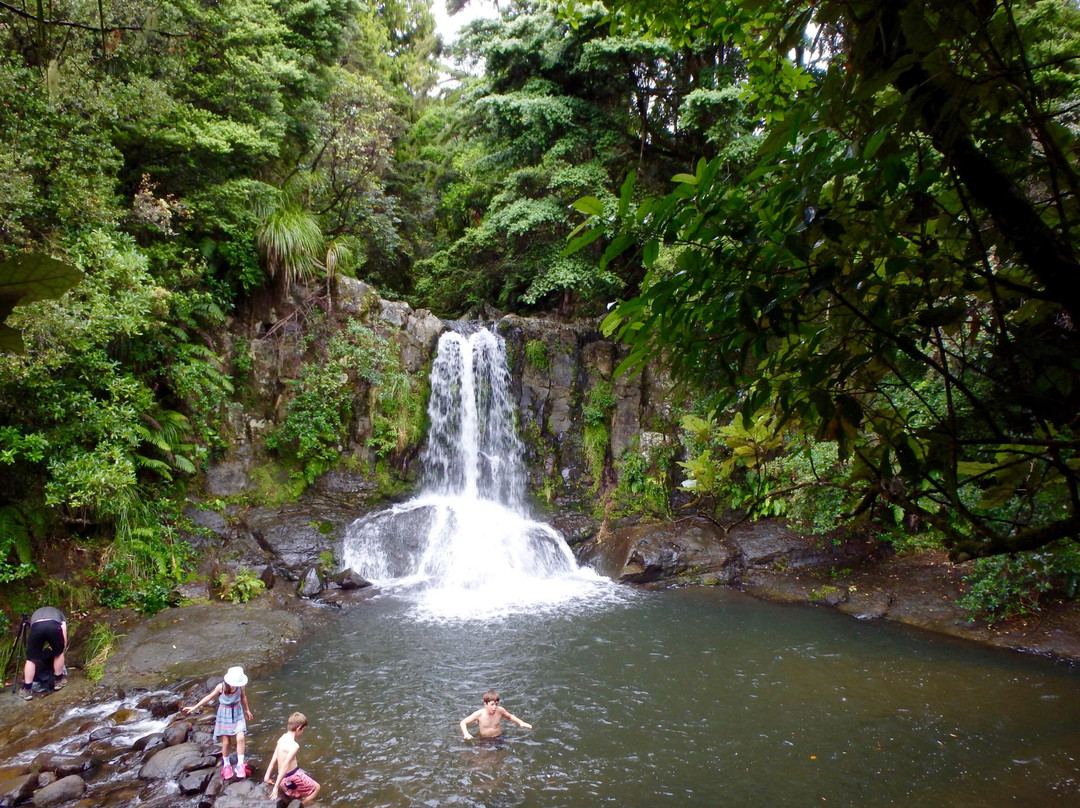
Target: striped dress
[(230, 714)]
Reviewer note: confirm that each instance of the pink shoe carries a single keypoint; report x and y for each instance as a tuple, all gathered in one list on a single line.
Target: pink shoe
[(242, 772), (227, 772)]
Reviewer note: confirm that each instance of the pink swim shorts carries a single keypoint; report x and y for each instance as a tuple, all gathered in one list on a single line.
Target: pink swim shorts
[(297, 784)]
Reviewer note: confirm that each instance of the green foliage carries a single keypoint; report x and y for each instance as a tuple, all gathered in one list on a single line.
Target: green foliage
[(823, 592), (903, 350), (240, 586), (812, 480), (26, 278), (1002, 587), (327, 563), (596, 436), (643, 483), (327, 396), (141, 572), (291, 240), (99, 647), (536, 354), (907, 541), (600, 405), (16, 558), (397, 411), (729, 465), (753, 464), (559, 110)]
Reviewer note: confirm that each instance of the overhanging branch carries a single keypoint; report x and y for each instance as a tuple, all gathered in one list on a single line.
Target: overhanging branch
[(80, 25)]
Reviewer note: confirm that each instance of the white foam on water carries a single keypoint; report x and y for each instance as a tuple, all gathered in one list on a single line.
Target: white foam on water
[(466, 548), (140, 724)]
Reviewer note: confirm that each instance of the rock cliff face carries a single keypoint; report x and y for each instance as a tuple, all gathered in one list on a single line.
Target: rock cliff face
[(577, 420)]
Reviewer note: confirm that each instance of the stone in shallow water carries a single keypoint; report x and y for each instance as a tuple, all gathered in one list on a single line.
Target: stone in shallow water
[(350, 579), (310, 585), (17, 789), (196, 781), (148, 741), (64, 790), (169, 762), (177, 733), (101, 734), (60, 765)]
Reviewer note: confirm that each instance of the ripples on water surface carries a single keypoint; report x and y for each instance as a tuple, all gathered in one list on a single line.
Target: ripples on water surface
[(692, 697)]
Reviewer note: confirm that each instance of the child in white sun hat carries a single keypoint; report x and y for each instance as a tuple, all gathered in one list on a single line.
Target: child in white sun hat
[(232, 717)]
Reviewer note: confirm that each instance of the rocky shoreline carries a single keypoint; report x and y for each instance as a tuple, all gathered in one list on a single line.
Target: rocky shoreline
[(852, 573), (122, 741)]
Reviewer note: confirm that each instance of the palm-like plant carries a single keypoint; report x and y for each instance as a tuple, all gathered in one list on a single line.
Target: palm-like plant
[(339, 254), (290, 241)]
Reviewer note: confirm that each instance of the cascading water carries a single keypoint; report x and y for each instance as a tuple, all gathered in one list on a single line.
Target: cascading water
[(466, 543)]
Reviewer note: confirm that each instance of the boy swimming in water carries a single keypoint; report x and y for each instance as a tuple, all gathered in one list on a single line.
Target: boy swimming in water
[(293, 781), (489, 718)]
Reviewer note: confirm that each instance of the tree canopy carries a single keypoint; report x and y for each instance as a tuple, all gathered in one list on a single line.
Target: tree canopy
[(177, 157), (897, 269), (848, 226)]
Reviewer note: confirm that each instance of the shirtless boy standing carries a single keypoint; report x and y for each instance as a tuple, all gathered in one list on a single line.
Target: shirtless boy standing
[(293, 781), (490, 718)]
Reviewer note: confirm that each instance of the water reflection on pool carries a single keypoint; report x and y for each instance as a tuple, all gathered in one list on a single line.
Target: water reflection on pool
[(690, 697)]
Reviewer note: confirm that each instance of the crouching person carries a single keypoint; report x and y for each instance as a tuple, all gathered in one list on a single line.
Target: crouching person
[(45, 646)]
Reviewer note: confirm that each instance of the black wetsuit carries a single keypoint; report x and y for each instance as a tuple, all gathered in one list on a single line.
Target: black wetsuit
[(46, 638)]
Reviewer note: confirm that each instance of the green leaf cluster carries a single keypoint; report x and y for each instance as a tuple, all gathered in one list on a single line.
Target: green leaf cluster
[(559, 110), (240, 586), (356, 370), (894, 271)]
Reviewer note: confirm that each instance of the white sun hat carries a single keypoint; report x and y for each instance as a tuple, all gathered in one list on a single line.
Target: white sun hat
[(235, 677)]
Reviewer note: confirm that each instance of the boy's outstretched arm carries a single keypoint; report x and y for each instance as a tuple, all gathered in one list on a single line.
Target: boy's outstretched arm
[(511, 717), (270, 768), (275, 762), (465, 724)]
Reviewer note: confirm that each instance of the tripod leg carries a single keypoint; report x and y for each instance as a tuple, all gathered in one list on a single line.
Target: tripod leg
[(12, 659), (18, 656)]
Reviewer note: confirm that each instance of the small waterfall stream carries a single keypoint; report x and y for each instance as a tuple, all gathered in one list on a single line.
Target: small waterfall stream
[(466, 545)]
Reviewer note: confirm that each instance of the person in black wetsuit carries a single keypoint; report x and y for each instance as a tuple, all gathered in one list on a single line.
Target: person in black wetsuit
[(45, 645)]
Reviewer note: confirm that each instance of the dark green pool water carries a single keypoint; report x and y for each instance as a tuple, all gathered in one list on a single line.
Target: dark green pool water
[(690, 697)]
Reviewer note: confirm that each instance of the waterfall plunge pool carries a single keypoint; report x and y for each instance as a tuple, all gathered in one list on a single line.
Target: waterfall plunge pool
[(689, 697), (686, 697)]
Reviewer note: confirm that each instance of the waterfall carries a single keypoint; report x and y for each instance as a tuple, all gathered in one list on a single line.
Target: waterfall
[(468, 532), (473, 449)]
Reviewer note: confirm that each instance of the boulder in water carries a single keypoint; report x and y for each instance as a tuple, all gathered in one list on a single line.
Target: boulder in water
[(310, 585), (60, 765), (63, 790), (17, 789), (350, 579), (645, 554), (170, 762), (177, 733), (195, 782)]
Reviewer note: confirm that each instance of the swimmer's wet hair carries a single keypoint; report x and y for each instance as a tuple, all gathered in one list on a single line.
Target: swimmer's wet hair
[(297, 721), (491, 695)]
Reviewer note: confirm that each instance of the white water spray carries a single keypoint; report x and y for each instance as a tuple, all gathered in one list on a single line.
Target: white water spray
[(466, 544)]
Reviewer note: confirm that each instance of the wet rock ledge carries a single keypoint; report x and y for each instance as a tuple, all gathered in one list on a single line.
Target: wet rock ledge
[(852, 573), (135, 750), (123, 742)]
